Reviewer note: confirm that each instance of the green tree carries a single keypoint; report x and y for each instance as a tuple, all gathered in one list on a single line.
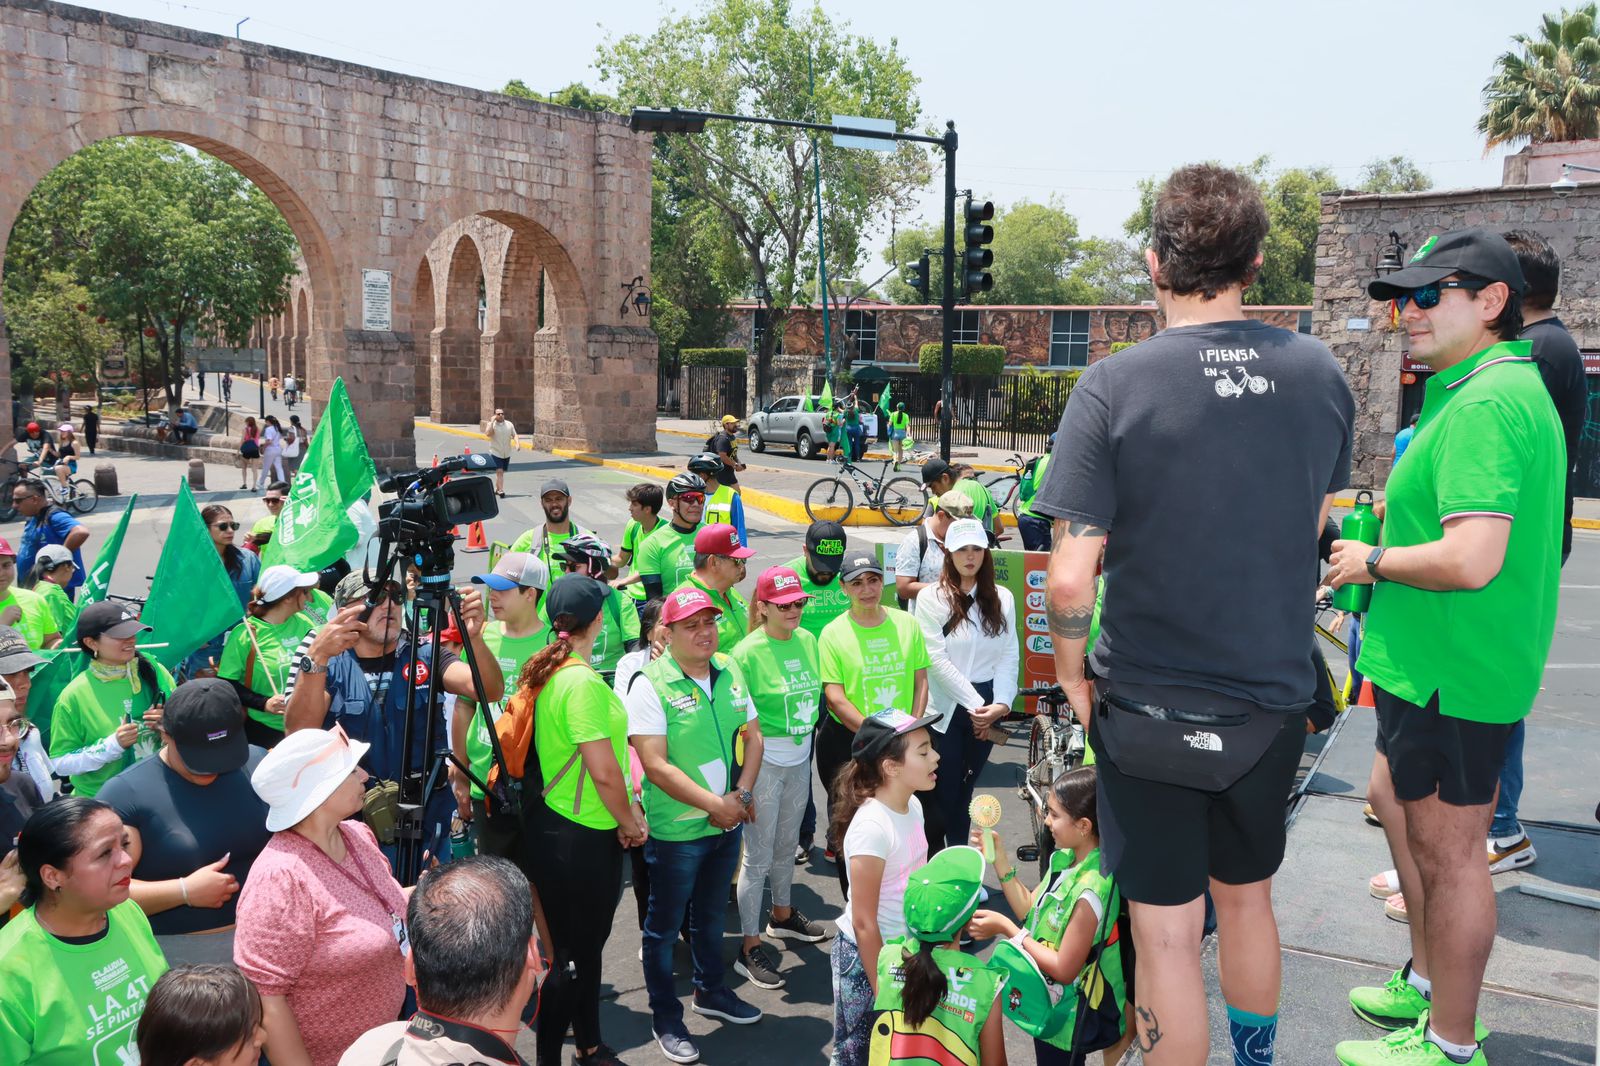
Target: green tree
[(1108, 271), (1395, 174), (1033, 253), (169, 242), (1548, 87), (1294, 209), (903, 252), (752, 57), (60, 336), (577, 96)]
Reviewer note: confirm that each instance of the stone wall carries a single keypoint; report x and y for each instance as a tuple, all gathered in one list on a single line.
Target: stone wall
[(1354, 230)]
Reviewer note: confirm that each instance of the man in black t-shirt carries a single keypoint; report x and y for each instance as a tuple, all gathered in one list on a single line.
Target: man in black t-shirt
[(1210, 454), (725, 445)]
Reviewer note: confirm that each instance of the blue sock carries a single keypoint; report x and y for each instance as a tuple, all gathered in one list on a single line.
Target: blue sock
[(1252, 1035)]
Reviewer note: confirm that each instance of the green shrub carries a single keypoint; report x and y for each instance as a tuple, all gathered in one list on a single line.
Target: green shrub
[(713, 357), (987, 359), (1117, 346)]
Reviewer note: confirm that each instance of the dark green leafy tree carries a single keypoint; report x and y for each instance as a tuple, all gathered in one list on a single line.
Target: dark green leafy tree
[(60, 335)]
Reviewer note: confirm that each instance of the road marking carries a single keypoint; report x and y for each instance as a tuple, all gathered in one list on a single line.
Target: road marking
[(1572, 666)]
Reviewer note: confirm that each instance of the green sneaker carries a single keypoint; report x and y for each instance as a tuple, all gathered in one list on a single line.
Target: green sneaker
[(1398, 1004), (1403, 1047)]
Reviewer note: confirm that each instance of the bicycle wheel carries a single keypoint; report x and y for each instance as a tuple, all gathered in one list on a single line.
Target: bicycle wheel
[(829, 500), (903, 501), (1039, 770), (84, 497)]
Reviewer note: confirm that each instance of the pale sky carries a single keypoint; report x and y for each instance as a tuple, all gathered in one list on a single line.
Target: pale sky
[(1076, 99)]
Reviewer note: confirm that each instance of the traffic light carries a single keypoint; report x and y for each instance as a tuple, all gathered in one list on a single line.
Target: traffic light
[(976, 259), (919, 277)]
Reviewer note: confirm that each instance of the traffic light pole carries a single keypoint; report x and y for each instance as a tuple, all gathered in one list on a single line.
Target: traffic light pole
[(947, 301)]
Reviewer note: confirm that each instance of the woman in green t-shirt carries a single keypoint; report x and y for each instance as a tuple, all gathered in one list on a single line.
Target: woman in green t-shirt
[(53, 570), (77, 965), (259, 653), (572, 845)]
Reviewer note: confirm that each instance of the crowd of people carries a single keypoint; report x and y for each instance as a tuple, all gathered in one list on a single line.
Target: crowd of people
[(267, 855)]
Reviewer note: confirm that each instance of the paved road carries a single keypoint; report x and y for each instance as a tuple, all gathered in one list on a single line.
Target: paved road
[(1544, 966)]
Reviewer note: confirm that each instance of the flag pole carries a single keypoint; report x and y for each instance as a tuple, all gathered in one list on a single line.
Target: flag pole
[(822, 252)]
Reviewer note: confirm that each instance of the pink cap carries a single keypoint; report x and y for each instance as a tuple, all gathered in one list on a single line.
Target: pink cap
[(7, 549), (780, 585), (719, 538), (686, 603)]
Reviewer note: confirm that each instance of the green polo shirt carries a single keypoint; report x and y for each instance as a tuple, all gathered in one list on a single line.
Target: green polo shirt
[(1487, 443), (735, 620), (827, 602)]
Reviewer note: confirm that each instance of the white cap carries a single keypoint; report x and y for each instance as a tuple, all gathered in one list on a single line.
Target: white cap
[(53, 555), (276, 582), (298, 776), (65, 427), (965, 533)]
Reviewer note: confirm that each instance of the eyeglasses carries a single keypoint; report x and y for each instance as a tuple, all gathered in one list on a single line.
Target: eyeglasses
[(1428, 296), (270, 500), (226, 527), (795, 605), (19, 729)]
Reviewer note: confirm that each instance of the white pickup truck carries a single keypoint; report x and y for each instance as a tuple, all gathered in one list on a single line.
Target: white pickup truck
[(782, 422)]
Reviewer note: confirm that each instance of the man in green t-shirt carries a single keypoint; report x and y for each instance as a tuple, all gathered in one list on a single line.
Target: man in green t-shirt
[(544, 539), (939, 477), (666, 557), (24, 609), (1471, 544), (719, 565), (644, 518)]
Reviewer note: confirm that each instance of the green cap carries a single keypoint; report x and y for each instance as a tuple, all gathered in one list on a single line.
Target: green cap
[(1028, 997), (942, 895)]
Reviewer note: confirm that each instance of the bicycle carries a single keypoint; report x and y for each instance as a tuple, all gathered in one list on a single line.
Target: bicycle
[(902, 500), (1056, 744), (77, 495), (1010, 499)]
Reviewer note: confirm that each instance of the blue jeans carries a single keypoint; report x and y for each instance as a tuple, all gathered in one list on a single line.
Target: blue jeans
[(1505, 822), (1035, 532), (684, 872)]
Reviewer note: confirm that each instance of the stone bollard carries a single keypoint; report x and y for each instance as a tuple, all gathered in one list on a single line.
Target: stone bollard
[(105, 480), (197, 474)]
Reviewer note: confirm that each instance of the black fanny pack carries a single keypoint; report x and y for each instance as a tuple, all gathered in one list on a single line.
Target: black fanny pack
[(1192, 749)]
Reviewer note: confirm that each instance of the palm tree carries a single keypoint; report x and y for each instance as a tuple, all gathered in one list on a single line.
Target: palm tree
[(1551, 90)]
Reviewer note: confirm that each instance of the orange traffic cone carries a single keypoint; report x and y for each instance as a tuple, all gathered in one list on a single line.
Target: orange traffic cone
[(1366, 698), (477, 540)]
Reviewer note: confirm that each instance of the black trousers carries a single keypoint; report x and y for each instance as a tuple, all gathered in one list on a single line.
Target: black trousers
[(578, 873), (832, 752)]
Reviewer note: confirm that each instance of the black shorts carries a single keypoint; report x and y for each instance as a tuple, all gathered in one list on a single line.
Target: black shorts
[(501, 462), (1430, 752), (1163, 842)]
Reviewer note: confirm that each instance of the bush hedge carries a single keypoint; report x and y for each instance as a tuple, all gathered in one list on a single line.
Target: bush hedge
[(712, 357), (1117, 346), (965, 358)]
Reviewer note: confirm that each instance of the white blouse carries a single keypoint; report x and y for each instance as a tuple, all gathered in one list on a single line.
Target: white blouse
[(967, 655)]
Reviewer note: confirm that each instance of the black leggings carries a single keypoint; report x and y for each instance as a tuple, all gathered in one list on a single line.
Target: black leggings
[(579, 877), (833, 751)]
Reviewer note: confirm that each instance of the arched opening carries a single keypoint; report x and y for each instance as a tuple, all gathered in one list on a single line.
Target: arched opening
[(302, 333), (454, 363), (421, 330)]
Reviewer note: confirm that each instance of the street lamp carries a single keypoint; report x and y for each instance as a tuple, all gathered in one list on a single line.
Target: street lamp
[(1565, 184), (1393, 257), (680, 120)]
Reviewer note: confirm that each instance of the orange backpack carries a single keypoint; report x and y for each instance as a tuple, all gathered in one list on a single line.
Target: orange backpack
[(514, 727)]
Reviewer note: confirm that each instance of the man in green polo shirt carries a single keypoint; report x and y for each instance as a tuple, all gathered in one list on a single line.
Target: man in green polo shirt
[(685, 711), (719, 565), (666, 557), (1471, 544)]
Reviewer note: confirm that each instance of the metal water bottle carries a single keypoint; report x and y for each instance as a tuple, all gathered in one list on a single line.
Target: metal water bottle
[(1360, 524)]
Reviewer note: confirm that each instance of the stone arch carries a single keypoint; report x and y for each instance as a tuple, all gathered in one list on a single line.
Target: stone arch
[(453, 380), (302, 333), (423, 318)]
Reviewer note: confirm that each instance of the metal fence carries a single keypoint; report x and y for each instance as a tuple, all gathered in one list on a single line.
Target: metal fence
[(667, 399), (713, 391), (1016, 412)]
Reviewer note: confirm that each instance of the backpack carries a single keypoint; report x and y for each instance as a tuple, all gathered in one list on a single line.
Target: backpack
[(922, 549), (514, 729)]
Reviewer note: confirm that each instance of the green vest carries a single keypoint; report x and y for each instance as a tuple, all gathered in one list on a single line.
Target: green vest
[(1051, 912), (1030, 485), (955, 1024), (700, 742)]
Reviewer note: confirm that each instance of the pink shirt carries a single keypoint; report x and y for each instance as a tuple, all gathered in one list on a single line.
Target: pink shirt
[(313, 931)]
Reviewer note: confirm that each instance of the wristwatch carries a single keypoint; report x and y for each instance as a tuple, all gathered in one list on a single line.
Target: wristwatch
[(308, 665), (746, 797), (1373, 558)]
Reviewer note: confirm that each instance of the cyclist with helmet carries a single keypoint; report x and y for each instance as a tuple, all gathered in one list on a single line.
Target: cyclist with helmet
[(585, 553), (666, 557), (1035, 530), (724, 504)]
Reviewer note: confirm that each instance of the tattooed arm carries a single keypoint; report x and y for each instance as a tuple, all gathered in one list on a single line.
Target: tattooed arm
[(1070, 606)]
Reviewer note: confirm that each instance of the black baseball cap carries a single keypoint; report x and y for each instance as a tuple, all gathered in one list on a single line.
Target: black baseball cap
[(825, 543), (857, 563), (205, 721), (877, 730), (108, 618), (1477, 251), (933, 470), (579, 595), (15, 655)]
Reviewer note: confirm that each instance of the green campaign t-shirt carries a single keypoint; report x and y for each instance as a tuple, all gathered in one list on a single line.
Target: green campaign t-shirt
[(576, 707), (89, 710), (512, 653), (667, 554), (267, 672), (1030, 485), (785, 682), (876, 666), (633, 537), (734, 622), (827, 602), (63, 612), (983, 505), (621, 624), (36, 622), (76, 1004), (1488, 442), (551, 546), (319, 608)]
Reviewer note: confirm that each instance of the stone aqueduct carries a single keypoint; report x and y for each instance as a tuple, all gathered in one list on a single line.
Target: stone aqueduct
[(443, 189)]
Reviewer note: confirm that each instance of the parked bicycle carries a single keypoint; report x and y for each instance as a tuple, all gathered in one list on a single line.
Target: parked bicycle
[(902, 500), (77, 495), (1056, 744), (1006, 488)]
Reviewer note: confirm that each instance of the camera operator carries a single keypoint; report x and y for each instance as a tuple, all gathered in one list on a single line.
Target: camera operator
[(343, 674)]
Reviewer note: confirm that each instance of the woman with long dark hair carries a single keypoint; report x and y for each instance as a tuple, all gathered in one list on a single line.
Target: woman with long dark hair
[(572, 844), (79, 926), (243, 569), (249, 454), (970, 625)]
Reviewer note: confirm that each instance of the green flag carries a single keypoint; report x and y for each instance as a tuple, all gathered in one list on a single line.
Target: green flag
[(827, 395), (806, 404), (66, 663), (883, 401), (192, 599), (314, 527)]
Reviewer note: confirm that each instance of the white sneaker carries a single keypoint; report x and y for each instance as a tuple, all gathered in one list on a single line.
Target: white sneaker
[(1511, 853)]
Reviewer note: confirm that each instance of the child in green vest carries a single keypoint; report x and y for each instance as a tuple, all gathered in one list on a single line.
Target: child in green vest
[(936, 998), (1065, 920)]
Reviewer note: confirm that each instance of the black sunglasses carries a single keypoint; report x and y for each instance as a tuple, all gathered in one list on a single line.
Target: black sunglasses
[(227, 526), (1428, 296)]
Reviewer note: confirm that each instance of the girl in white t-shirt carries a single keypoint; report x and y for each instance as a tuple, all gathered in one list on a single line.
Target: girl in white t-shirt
[(879, 818)]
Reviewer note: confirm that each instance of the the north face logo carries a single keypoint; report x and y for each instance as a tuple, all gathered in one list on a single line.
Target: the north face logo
[(1204, 741)]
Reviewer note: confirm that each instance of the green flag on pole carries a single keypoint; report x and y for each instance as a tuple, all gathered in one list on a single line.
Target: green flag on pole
[(827, 395), (314, 527), (192, 599), (883, 401), (806, 404), (66, 663)]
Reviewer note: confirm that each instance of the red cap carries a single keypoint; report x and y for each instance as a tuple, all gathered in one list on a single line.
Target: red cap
[(686, 603), (780, 585), (6, 548), (719, 538)]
